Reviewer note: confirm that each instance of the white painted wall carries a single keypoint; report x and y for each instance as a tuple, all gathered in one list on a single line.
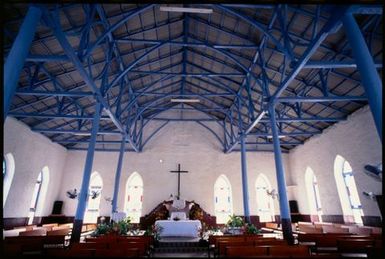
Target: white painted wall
[(187, 143), (32, 151), (199, 152), (355, 139)]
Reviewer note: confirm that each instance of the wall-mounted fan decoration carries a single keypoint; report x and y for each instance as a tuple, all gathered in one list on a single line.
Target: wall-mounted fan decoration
[(374, 171), (273, 193), (73, 194)]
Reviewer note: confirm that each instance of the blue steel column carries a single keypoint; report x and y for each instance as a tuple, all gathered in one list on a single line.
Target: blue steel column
[(117, 175), (18, 54), (245, 189), (283, 202), (83, 196), (370, 79)]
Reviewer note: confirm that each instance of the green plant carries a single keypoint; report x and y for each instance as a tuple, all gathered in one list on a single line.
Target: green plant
[(251, 229), (235, 221), (122, 226), (154, 231), (101, 229)]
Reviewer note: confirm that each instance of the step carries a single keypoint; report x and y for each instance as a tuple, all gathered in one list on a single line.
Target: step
[(180, 250), (179, 244)]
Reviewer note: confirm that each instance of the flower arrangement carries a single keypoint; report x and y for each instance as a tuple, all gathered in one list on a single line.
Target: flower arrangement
[(235, 222), (155, 231), (121, 227), (211, 232)]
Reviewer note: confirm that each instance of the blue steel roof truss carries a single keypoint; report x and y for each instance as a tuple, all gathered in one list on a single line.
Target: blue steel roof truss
[(236, 61)]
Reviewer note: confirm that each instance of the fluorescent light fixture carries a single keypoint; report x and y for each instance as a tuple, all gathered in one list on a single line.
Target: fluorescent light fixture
[(185, 9), (82, 134), (185, 100), (255, 122), (280, 136)]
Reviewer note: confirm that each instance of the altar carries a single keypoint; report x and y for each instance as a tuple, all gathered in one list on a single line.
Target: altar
[(180, 228)]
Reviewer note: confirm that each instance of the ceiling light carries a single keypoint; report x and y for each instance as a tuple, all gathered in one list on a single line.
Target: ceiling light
[(185, 10), (280, 136), (185, 100), (82, 134)]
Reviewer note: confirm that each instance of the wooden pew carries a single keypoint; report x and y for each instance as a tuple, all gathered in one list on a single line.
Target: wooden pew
[(309, 229), (121, 252), (223, 244), (23, 244), (27, 228), (354, 245), (295, 250), (35, 232), (59, 232), (241, 251), (141, 246), (50, 225), (88, 245)]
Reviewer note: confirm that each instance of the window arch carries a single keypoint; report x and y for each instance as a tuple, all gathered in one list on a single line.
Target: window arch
[(93, 210), (265, 203), (39, 194), (347, 189), (223, 203), (134, 197), (313, 193), (8, 173)]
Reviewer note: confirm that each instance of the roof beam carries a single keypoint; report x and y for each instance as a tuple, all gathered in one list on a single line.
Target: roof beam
[(186, 44), (117, 25), (55, 93), (55, 116), (335, 64), (311, 99), (332, 25), (187, 74), (55, 25), (77, 132), (288, 134)]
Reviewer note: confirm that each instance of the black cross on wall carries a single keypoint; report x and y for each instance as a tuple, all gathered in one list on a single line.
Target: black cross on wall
[(179, 172)]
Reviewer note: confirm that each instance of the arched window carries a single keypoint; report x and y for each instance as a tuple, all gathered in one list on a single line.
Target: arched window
[(38, 195), (8, 173), (92, 210), (223, 203), (134, 197), (313, 193), (347, 189), (265, 203)]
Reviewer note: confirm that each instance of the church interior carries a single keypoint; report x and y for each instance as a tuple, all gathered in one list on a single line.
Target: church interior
[(192, 130)]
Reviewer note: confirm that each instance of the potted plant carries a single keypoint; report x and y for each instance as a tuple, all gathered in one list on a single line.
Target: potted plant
[(235, 224)]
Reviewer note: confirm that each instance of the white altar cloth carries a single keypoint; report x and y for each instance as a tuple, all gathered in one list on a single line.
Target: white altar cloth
[(180, 228)]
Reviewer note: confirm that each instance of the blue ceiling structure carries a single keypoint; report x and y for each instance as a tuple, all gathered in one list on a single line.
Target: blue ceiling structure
[(238, 61)]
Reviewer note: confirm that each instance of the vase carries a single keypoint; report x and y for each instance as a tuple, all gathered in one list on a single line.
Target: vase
[(235, 230)]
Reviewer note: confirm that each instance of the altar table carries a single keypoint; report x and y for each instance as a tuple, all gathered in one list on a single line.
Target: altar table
[(180, 228)]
